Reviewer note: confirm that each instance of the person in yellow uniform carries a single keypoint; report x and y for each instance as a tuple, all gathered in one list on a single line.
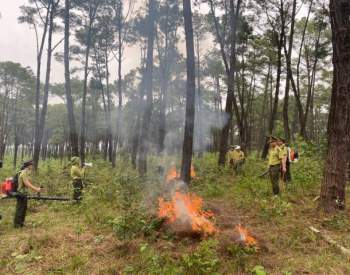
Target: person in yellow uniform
[(276, 164), (77, 174), (236, 157), (229, 155), (24, 183)]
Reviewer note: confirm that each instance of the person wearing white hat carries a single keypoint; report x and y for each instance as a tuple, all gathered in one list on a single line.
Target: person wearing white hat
[(236, 158)]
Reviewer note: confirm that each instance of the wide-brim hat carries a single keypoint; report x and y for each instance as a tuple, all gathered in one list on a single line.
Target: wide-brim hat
[(28, 163), (272, 139), (75, 160)]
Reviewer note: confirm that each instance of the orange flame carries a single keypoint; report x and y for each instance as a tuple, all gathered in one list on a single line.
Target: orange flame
[(172, 174), (245, 236), (187, 209), (193, 172)]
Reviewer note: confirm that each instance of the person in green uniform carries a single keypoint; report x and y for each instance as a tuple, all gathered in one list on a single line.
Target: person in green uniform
[(24, 185), (77, 174), (276, 163), (236, 157)]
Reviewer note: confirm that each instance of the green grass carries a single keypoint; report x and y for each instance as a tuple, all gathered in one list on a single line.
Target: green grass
[(115, 228)]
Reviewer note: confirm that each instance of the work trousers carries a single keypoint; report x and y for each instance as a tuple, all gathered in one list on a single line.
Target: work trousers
[(77, 189), (275, 176), (21, 210), (287, 176), (237, 165)]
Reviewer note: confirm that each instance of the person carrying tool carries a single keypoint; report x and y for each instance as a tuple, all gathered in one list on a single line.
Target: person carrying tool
[(276, 164), (236, 157), (24, 184), (77, 174)]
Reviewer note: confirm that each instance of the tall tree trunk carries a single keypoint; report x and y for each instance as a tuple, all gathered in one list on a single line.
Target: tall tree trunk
[(109, 114), (264, 112), (148, 76), (85, 88), (44, 145), (4, 119), (105, 99), (136, 133), (73, 136), (230, 70), (199, 98), (16, 136), (334, 182), (296, 86), (118, 135), (278, 84), (38, 72), (95, 148), (312, 69), (40, 132), (164, 65), (288, 54), (162, 114), (190, 95)]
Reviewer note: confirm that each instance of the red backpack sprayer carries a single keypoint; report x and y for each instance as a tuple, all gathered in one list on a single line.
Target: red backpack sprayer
[(9, 190)]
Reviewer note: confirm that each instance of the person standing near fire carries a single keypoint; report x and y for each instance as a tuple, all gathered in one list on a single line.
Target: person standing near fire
[(24, 183), (277, 163), (236, 157), (77, 174)]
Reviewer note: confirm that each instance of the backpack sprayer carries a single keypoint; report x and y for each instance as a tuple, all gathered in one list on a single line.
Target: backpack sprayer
[(9, 190)]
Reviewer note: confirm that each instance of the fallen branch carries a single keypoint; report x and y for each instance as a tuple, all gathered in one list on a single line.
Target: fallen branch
[(316, 198), (345, 251)]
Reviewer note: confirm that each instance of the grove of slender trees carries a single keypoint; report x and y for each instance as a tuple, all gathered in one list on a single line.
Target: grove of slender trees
[(206, 74)]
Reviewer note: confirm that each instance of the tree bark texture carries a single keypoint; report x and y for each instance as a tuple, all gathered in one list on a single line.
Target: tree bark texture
[(187, 149), (38, 72), (40, 132), (148, 80), (231, 103), (73, 136), (92, 14), (280, 44), (334, 182), (288, 54)]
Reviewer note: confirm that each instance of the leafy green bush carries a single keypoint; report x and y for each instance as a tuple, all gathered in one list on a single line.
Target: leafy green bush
[(151, 262), (274, 208), (240, 256), (130, 218), (202, 261), (258, 270)]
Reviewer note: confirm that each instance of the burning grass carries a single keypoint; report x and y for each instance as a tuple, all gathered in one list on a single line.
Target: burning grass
[(184, 213), (174, 175)]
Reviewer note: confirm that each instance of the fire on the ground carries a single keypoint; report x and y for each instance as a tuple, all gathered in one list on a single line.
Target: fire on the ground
[(184, 212)]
